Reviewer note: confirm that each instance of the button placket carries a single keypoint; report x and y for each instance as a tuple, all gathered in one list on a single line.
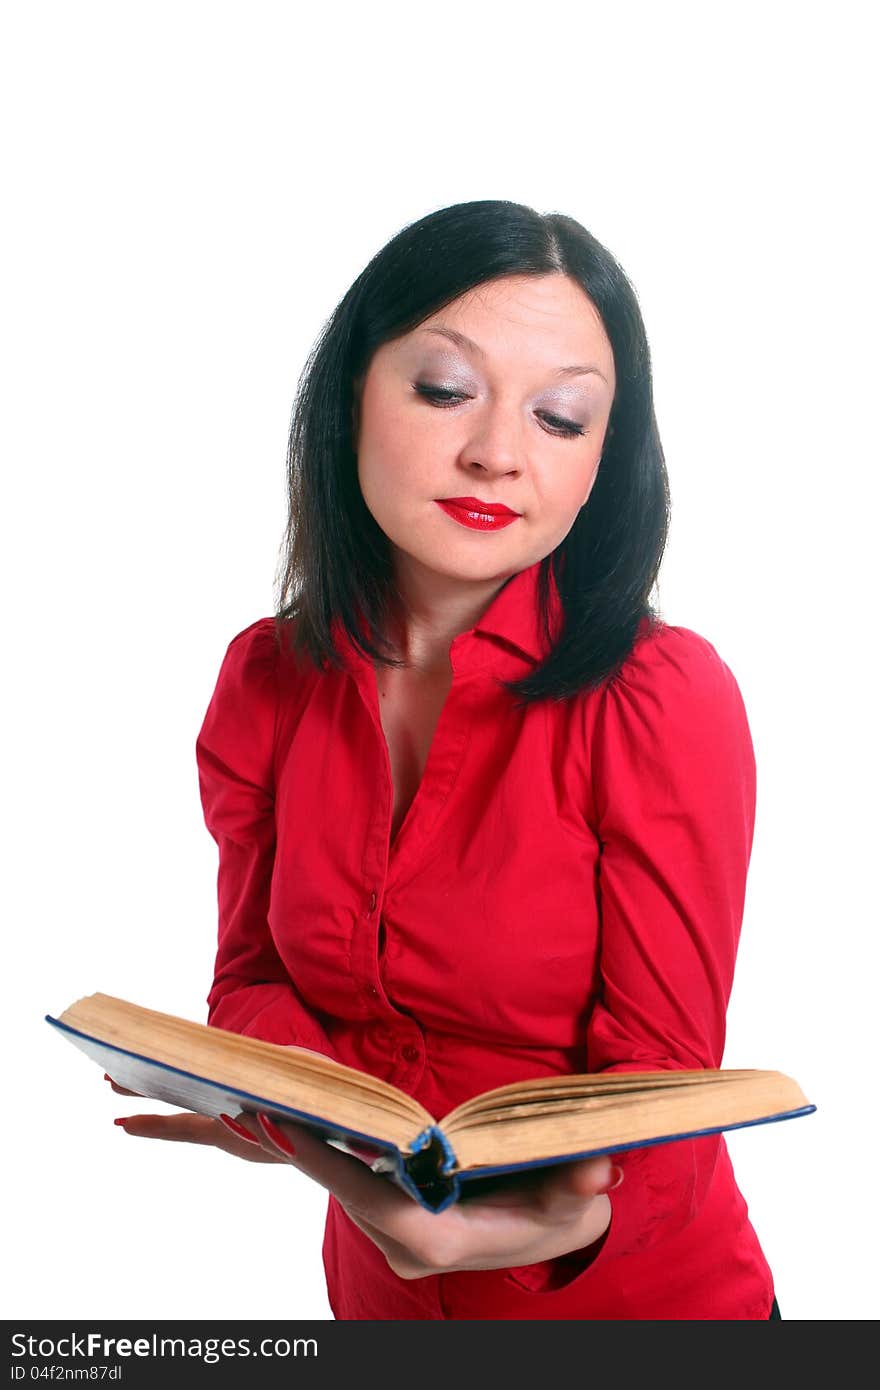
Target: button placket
[(400, 860)]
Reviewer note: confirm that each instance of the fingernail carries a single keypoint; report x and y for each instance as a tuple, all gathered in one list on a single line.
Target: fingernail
[(238, 1129), (272, 1132), (121, 1121), (614, 1180)]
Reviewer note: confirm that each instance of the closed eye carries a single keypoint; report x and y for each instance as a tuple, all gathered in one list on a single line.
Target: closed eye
[(441, 397)]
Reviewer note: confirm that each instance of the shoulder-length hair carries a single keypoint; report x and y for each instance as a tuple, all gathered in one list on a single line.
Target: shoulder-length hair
[(336, 560)]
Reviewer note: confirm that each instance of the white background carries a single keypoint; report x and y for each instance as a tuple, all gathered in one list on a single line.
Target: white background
[(190, 188)]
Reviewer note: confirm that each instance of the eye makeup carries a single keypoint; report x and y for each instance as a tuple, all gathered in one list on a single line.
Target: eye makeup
[(444, 368), (445, 397)]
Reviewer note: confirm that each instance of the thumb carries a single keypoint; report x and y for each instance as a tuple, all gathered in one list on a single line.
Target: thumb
[(577, 1183)]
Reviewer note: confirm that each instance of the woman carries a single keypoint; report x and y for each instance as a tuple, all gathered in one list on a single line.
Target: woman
[(481, 814)]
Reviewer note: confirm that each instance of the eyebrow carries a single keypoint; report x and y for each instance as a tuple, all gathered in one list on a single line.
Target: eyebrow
[(460, 340)]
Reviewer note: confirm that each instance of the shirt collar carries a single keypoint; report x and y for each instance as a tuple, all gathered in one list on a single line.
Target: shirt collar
[(513, 617)]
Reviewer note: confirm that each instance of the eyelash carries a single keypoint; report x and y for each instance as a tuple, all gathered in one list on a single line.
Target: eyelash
[(568, 430)]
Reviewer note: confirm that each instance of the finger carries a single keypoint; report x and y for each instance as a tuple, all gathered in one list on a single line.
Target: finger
[(120, 1090), (537, 1186), (184, 1128), (570, 1186), (188, 1128), (241, 1129)]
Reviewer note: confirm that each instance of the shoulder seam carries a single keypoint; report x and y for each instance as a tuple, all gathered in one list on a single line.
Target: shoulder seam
[(251, 627)]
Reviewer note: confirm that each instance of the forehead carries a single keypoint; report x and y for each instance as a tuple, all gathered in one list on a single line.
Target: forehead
[(545, 319)]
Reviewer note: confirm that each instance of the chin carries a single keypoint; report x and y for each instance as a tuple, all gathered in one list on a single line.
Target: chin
[(451, 561)]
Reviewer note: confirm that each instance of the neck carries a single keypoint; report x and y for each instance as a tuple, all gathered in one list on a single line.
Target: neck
[(431, 611)]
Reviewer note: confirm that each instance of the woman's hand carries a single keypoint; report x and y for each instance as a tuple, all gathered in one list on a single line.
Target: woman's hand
[(533, 1217), (537, 1216), (187, 1128)]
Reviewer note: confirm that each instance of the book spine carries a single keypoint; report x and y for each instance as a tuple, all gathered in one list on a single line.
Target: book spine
[(426, 1172)]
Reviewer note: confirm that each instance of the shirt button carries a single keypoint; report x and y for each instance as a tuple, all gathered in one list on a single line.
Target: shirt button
[(373, 901), (410, 1053), (372, 991)]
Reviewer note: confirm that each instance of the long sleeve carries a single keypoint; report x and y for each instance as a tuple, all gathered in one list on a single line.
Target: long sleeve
[(674, 786), (252, 992)]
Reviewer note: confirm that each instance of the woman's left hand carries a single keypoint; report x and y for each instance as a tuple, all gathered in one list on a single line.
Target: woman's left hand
[(537, 1216)]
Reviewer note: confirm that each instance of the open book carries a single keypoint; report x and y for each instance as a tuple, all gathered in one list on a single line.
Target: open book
[(529, 1124)]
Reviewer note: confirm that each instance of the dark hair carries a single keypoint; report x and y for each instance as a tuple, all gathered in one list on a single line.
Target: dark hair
[(336, 560)]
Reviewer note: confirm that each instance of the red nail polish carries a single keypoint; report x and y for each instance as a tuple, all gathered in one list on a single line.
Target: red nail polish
[(274, 1133), (238, 1129), (121, 1120)]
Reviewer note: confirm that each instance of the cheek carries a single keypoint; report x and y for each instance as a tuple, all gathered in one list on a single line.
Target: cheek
[(568, 490), (587, 486), (394, 452)]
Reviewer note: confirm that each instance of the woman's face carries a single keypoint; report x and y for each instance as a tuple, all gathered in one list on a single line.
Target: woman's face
[(517, 415)]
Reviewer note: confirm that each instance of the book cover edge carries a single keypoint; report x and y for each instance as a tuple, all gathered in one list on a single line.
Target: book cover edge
[(263, 1102), (499, 1169)]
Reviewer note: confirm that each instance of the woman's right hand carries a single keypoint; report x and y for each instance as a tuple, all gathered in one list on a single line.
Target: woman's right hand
[(189, 1128)]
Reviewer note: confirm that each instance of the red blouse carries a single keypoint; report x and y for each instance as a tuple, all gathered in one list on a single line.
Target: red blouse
[(565, 894)]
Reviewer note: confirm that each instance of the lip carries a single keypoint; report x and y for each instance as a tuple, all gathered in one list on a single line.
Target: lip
[(477, 515), (475, 504)]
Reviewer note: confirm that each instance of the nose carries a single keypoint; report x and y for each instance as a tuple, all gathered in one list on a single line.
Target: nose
[(495, 447)]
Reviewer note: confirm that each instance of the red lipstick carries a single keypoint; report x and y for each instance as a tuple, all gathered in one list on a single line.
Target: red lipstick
[(478, 515)]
